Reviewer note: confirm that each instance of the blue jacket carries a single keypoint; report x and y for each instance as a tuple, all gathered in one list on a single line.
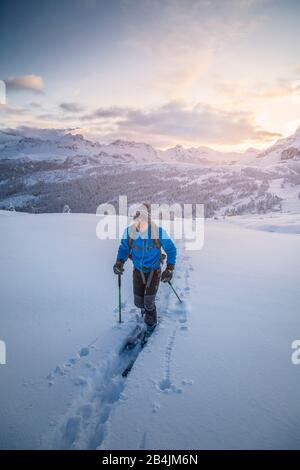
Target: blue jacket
[(145, 255)]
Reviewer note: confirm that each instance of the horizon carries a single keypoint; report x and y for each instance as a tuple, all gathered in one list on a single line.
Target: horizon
[(25, 132), (163, 72)]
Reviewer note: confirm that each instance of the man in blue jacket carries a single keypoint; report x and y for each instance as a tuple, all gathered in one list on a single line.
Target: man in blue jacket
[(142, 242)]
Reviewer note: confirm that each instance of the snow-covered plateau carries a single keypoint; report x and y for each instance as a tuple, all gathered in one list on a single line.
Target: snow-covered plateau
[(216, 373)]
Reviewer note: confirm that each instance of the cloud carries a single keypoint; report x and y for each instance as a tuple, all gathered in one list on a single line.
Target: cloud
[(71, 107), (201, 124), (106, 113), (13, 111), (176, 122), (35, 105), (26, 82), (183, 39), (39, 133), (253, 92)]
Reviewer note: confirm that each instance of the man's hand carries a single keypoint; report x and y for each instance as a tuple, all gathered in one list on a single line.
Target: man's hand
[(118, 267), (167, 273)]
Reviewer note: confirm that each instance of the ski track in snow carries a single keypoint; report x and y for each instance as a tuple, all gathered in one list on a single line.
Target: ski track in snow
[(176, 312), (100, 388), (166, 383)]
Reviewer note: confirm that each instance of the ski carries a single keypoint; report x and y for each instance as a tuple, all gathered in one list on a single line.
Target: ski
[(141, 341), (133, 338)]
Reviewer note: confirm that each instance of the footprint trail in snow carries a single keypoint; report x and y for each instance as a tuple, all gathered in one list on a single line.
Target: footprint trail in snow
[(85, 424)]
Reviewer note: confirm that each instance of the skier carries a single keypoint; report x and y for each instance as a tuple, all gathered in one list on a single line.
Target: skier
[(142, 242)]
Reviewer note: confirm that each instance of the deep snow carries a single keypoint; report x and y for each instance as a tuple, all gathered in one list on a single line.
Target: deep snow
[(216, 373)]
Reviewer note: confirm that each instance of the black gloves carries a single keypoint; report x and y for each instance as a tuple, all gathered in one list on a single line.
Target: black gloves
[(165, 277), (167, 273), (118, 267)]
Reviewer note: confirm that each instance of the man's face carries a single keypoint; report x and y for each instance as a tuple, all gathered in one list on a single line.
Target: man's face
[(141, 224)]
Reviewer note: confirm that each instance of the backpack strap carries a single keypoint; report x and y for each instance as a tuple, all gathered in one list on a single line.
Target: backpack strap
[(131, 236), (154, 234), (155, 238)]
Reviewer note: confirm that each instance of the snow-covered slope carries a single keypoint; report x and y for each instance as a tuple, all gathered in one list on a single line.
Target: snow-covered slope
[(53, 145), (216, 373), (58, 296), (132, 151), (50, 144), (47, 146), (59, 145), (189, 155), (206, 155), (283, 150)]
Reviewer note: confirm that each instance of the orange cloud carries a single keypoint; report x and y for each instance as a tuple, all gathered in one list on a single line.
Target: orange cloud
[(26, 82)]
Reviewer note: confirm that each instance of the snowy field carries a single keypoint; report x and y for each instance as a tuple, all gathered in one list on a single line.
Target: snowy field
[(216, 373), (272, 222)]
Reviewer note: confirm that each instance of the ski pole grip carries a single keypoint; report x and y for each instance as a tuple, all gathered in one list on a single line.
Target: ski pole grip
[(119, 280)]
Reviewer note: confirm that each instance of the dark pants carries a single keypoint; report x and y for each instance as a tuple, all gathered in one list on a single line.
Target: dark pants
[(145, 288)]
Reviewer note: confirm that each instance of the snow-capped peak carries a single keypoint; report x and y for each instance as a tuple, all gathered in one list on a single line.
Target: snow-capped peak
[(283, 149)]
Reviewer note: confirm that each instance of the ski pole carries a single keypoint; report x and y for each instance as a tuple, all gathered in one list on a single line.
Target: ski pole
[(120, 304), (170, 284)]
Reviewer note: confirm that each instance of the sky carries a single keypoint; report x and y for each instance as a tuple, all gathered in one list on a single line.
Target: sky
[(222, 73)]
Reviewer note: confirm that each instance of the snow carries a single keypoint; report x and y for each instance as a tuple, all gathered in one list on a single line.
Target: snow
[(57, 144), (273, 222), (57, 167), (216, 373), (273, 154), (56, 299), (288, 193)]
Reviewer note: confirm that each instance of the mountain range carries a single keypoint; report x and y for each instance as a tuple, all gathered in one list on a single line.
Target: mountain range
[(55, 144), (43, 170)]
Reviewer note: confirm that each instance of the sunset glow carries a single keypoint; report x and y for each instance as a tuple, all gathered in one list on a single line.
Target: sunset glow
[(200, 72)]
